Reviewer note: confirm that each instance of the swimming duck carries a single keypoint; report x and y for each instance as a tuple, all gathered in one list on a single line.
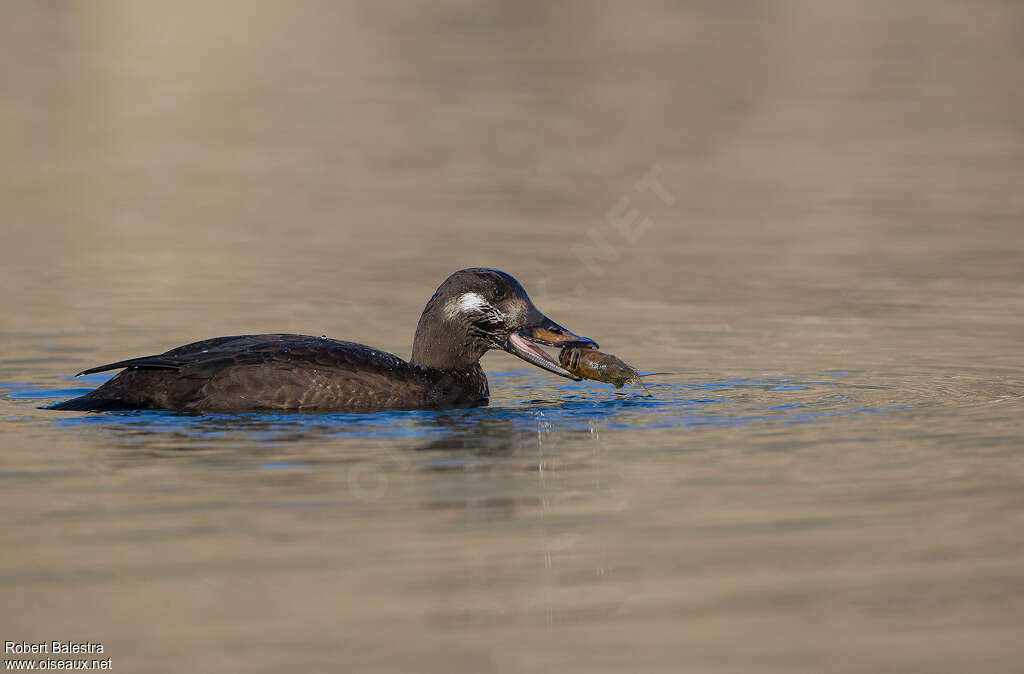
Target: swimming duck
[(473, 311)]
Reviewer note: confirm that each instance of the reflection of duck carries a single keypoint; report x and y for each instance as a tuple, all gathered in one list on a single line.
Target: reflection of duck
[(480, 435), (473, 311)]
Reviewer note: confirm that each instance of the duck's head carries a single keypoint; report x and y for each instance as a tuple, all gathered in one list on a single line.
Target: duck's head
[(479, 309)]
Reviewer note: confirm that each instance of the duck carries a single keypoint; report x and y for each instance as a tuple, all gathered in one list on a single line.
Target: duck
[(473, 311)]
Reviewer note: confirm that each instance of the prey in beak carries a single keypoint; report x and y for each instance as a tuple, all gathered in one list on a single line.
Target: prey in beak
[(542, 331)]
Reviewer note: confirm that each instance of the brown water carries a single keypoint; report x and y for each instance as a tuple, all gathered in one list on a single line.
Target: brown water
[(811, 213)]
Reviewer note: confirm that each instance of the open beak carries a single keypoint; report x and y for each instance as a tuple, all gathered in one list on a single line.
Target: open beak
[(544, 331)]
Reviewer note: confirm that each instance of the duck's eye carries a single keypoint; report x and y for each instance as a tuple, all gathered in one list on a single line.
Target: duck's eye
[(498, 292)]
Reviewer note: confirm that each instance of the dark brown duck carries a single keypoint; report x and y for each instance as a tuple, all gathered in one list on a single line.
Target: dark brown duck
[(473, 311)]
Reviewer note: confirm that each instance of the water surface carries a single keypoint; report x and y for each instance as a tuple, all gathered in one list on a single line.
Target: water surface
[(810, 215)]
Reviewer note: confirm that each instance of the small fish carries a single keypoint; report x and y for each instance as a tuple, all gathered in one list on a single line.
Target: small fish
[(593, 364)]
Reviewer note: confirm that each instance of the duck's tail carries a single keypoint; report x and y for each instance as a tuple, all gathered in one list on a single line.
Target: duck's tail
[(122, 392), (91, 402)]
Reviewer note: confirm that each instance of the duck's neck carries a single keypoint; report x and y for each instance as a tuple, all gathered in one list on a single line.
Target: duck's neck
[(450, 362), (443, 344)]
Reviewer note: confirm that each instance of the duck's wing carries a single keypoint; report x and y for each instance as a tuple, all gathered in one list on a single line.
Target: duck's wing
[(294, 374), (210, 354)]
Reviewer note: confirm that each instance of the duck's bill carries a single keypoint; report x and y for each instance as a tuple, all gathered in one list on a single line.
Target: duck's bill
[(527, 343)]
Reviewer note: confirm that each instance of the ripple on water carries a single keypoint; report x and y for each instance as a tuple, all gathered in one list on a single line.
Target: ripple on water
[(525, 401)]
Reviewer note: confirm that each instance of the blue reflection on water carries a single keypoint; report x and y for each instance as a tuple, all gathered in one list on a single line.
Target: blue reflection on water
[(675, 404)]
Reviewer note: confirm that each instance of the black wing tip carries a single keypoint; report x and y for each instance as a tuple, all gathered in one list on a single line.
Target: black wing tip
[(99, 368), (135, 363)]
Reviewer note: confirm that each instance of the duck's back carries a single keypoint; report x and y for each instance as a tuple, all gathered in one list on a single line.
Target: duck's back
[(266, 372)]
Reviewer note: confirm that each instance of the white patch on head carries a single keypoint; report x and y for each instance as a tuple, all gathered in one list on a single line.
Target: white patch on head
[(466, 304)]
